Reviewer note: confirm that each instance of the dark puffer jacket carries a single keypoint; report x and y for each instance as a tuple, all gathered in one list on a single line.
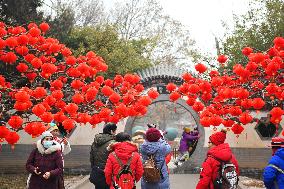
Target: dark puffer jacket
[(99, 152)]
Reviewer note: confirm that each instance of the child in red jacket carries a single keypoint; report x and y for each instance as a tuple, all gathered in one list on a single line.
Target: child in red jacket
[(123, 150), (218, 151)]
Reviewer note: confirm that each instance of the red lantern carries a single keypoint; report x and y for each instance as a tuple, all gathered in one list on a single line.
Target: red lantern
[(12, 138), (198, 106), (237, 129), (3, 132), (153, 94), (190, 101), (276, 112), (78, 98), (15, 122), (46, 117), (205, 121), (57, 94), (228, 123), (114, 98), (193, 89), (84, 118), (71, 108), (38, 109), (145, 100), (77, 84), (247, 51), (187, 77), (95, 119), (91, 94), (200, 68), (171, 87), (222, 59), (258, 103), (104, 113), (44, 27), (59, 117), (39, 92), (174, 96), (107, 91), (216, 120), (68, 124), (245, 118)]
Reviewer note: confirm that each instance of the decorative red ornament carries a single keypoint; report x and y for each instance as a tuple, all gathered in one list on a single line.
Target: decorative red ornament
[(107, 91), (12, 138), (237, 129), (44, 27), (38, 109), (222, 59), (145, 100), (15, 122), (174, 96), (187, 77), (3, 132), (46, 117), (247, 51), (200, 68), (78, 98), (198, 106), (114, 98), (153, 94), (205, 121), (71, 108), (68, 124), (245, 118), (171, 87), (258, 103)]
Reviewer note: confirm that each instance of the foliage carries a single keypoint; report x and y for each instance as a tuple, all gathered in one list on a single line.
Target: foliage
[(229, 97), (123, 56), (256, 29)]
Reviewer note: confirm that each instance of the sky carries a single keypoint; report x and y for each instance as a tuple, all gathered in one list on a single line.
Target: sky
[(202, 17)]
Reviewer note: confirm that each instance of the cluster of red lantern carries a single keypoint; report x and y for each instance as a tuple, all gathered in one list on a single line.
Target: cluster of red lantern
[(75, 93), (228, 98)]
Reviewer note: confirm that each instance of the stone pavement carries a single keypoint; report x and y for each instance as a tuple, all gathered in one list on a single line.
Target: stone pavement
[(178, 181)]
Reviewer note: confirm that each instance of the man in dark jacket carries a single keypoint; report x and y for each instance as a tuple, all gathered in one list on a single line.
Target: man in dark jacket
[(99, 155)]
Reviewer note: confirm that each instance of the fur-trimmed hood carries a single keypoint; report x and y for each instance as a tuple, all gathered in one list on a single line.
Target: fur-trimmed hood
[(55, 147), (112, 146)]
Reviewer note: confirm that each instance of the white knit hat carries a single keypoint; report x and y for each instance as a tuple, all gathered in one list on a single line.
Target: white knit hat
[(46, 134)]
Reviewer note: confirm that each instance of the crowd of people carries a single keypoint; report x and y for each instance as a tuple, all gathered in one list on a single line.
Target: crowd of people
[(119, 161)]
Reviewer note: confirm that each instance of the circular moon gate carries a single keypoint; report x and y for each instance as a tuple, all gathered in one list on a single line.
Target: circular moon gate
[(168, 114)]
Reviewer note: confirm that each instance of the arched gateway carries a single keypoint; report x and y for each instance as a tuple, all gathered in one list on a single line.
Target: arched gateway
[(169, 114)]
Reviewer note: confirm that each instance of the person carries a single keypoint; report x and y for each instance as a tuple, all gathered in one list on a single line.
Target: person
[(218, 152), (99, 155), (159, 148), (273, 175), (45, 164), (65, 145), (124, 152), (187, 138)]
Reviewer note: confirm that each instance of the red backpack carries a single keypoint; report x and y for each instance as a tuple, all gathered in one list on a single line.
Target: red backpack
[(124, 178)]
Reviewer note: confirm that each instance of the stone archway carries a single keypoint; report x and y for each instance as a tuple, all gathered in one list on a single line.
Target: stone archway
[(158, 77)]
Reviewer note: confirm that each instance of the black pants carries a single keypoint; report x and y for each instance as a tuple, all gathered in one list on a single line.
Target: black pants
[(97, 177)]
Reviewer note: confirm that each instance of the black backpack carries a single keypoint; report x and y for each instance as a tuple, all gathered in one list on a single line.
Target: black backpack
[(227, 177)]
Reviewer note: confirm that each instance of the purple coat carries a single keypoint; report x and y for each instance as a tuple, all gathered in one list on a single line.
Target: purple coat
[(186, 138), (49, 160)]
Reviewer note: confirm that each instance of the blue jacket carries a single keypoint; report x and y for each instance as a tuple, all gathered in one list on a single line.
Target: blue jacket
[(271, 177), (162, 148)]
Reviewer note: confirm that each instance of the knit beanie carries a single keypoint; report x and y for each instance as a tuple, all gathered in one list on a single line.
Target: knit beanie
[(218, 138), (153, 135), (46, 134)]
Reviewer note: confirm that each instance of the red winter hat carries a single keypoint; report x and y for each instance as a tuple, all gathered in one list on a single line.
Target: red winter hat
[(153, 135), (218, 138), (277, 142)]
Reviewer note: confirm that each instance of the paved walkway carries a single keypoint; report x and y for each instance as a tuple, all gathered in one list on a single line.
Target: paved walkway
[(178, 181)]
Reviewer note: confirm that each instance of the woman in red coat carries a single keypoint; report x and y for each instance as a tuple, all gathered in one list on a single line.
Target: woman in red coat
[(124, 150), (218, 150)]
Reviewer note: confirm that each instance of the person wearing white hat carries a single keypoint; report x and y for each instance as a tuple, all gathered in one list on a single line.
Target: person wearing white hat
[(45, 164)]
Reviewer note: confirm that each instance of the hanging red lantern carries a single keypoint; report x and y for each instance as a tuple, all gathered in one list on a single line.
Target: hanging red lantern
[(200, 68), (12, 138), (193, 89), (276, 112), (71, 108), (247, 51), (198, 106), (46, 117), (216, 120), (22, 96), (114, 98), (95, 119), (171, 87), (153, 94), (68, 124), (190, 101), (57, 94), (77, 84), (3, 132), (187, 77), (91, 94), (44, 27), (246, 103), (104, 113), (174, 96), (145, 100), (107, 91), (59, 117), (15, 122), (222, 59), (38, 109), (122, 110), (22, 67), (258, 103), (245, 118), (84, 118), (205, 121), (228, 123), (237, 129), (78, 98), (57, 84)]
